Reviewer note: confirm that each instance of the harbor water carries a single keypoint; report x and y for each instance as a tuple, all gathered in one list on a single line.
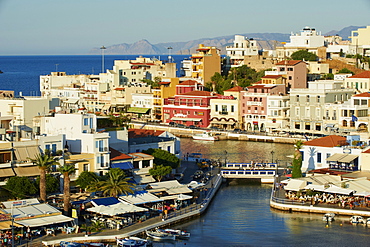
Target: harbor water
[(240, 214)]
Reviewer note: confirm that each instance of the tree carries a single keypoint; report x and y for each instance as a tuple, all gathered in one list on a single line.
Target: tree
[(345, 71), (121, 120), (66, 171), (86, 178), (52, 183), (304, 55), (297, 160), (44, 162), (159, 171), (116, 184), (162, 157), (20, 187)]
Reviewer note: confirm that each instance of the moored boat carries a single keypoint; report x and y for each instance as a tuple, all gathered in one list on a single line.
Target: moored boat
[(328, 217), (74, 244), (205, 136), (177, 233), (160, 235), (132, 242), (357, 220)]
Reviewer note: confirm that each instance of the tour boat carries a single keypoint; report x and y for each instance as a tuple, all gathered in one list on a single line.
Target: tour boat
[(160, 235), (205, 136), (356, 220), (177, 233), (328, 217), (132, 242)]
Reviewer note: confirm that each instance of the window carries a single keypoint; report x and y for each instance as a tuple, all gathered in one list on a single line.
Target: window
[(308, 98), (86, 121), (232, 108), (54, 149), (216, 107), (297, 98), (47, 147), (169, 149), (86, 167), (319, 157), (318, 99)]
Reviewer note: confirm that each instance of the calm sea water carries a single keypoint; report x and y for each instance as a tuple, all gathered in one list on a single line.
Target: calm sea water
[(22, 73)]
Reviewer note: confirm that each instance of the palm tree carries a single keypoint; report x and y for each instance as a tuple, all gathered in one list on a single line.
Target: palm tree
[(44, 162), (116, 184), (66, 170)]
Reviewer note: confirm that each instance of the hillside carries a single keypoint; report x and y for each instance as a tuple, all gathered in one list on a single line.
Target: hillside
[(144, 47)]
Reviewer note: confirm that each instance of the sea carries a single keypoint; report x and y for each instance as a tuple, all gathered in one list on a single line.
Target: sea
[(22, 73), (239, 215)]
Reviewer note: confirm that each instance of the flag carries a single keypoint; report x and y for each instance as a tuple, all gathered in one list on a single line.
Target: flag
[(354, 118)]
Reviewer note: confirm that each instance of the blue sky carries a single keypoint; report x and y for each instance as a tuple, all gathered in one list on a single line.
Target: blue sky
[(68, 27)]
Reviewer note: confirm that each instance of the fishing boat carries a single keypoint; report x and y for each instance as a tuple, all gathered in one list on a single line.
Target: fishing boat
[(357, 220), (160, 235), (205, 136), (177, 233), (328, 217), (132, 242)]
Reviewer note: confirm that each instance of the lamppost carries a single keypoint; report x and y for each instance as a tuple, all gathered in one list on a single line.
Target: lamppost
[(272, 156), (211, 176), (102, 52), (56, 67), (169, 54)]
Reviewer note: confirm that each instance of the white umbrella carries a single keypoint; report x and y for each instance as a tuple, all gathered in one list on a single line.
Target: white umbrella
[(115, 209), (183, 197)]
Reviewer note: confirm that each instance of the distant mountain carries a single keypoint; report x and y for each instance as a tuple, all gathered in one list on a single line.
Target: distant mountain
[(344, 33), (264, 41)]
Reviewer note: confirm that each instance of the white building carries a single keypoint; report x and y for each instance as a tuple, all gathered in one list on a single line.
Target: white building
[(242, 48), (308, 38)]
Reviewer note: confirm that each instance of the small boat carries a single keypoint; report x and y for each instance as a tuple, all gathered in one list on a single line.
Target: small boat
[(205, 136), (74, 244), (160, 235), (177, 233), (132, 242), (357, 220), (328, 217)]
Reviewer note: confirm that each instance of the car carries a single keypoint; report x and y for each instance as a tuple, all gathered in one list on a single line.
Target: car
[(237, 130), (214, 128), (181, 125), (193, 127), (172, 124)]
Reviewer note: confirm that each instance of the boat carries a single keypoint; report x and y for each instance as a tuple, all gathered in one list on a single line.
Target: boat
[(177, 233), (205, 136), (357, 220), (74, 244), (132, 242), (328, 217), (160, 235)]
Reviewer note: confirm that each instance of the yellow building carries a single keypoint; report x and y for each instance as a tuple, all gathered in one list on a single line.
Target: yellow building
[(167, 88), (205, 63), (361, 39)]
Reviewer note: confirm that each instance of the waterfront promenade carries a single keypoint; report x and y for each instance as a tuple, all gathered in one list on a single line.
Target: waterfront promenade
[(138, 229)]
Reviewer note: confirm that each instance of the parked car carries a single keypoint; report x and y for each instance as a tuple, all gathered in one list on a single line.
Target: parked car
[(193, 127), (214, 128), (237, 130), (181, 125), (172, 124)]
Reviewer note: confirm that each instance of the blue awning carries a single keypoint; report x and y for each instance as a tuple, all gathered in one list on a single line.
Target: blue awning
[(123, 165), (105, 201)]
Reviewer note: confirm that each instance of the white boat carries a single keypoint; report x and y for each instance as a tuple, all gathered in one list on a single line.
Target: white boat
[(357, 220), (328, 217), (160, 235), (132, 242), (177, 233), (205, 136)]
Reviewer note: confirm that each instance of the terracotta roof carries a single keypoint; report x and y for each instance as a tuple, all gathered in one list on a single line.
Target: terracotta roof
[(365, 95), (289, 62), (328, 171), (119, 88), (139, 133), (365, 74), (262, 86), (117, 155), (189, 82), (165, 83), (235, 89), (367, 151), (199, 93), (272, 76), (327, 141)]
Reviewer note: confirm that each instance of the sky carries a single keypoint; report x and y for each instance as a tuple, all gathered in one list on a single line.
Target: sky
[(74, 27)]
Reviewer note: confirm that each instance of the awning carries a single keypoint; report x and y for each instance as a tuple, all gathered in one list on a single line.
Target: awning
[(232, 121), (143, 179), (116, 209), (295, 185), (43, 221), (335, 157), (122, 165), (141, 198), (345, 158), (4, 225), (186, 119), (6, 172), (27, 171), (24, 153), (105, 201), (138, 110), (71, 101), (348, 158)]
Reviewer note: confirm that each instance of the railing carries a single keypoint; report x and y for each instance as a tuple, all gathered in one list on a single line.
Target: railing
[(286, 201)]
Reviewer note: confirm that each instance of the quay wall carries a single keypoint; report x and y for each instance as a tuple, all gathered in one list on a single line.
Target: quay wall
[(222, 135), (281, 205)]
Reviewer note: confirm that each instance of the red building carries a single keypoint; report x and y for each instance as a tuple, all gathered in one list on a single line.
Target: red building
[(189, 106)]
